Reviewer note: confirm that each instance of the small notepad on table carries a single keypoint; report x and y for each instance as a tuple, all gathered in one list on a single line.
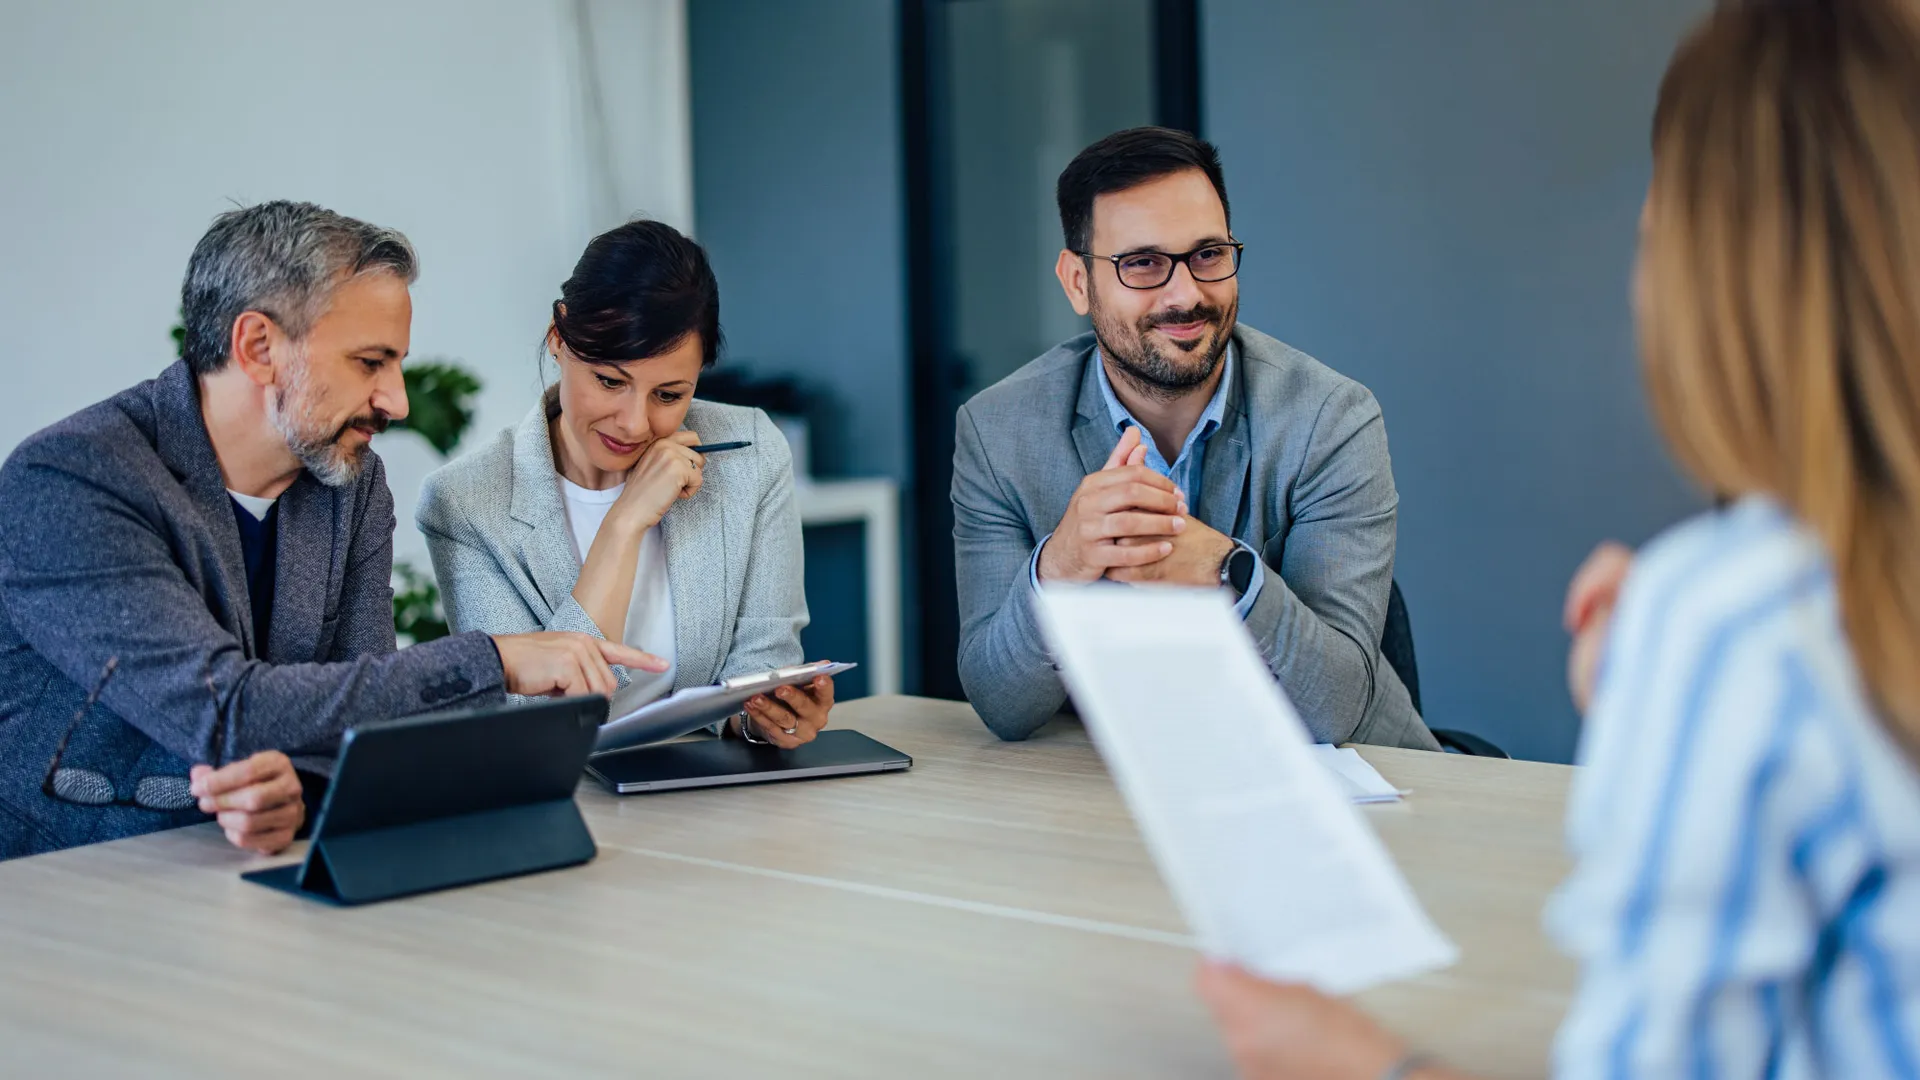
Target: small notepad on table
[(1355, 775)]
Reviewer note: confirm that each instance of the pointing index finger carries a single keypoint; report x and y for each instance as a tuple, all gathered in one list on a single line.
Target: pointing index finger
[(628, 656)]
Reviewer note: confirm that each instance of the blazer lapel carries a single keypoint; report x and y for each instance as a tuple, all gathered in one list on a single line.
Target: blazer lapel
[(695, 534), (1093, 433), (547, 548), (547, 553), (181, 438), (1227, 465), (304, 570)]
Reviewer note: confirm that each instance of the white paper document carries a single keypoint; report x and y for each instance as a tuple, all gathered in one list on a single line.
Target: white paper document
[(1355, 776), (1270, 863)]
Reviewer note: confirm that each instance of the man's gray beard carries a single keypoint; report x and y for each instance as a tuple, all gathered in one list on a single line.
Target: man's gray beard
[(290, 410)]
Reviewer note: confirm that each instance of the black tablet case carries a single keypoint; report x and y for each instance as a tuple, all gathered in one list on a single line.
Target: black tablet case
[(435, 802)]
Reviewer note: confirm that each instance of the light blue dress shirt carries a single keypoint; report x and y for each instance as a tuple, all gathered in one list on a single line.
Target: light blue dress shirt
[(1185, 472), (1745, 900)]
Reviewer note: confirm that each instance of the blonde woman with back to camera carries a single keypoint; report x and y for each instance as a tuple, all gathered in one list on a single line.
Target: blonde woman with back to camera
[(1745, 900)]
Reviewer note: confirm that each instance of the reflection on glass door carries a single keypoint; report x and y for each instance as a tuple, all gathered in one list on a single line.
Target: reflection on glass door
[(1001, 95), (1025, 85)]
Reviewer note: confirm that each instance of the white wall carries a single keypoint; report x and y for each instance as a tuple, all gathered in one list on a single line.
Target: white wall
[(126, 125)]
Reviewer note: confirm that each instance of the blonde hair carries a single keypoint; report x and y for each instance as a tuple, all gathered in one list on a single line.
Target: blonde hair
[(1780, 294)]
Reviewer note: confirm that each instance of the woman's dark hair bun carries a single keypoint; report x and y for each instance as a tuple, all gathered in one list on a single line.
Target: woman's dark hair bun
[(637, 292)]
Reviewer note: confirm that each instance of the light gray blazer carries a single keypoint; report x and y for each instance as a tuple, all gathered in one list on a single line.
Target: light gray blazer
[(503, 552), (1298, 469)]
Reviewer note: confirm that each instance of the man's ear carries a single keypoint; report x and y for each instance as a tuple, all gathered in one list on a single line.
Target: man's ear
[(251, 344), (1071, 269)]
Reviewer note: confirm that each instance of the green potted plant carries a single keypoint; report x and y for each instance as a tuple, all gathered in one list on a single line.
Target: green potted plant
[(439, 410)]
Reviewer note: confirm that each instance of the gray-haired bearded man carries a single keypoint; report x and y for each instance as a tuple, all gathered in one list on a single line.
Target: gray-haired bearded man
[(195, 591)]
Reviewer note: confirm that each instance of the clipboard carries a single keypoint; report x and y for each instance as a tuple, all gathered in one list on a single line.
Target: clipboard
[(689, 710)]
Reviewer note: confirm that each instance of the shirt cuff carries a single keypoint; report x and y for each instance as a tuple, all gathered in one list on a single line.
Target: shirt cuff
[(1259, 578), (1033, 563)]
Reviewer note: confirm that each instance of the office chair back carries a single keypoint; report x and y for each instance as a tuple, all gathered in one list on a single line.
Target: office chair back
[(1396, 645)]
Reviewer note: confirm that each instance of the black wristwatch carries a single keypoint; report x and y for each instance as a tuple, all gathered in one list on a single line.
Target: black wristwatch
[(1237, 570)]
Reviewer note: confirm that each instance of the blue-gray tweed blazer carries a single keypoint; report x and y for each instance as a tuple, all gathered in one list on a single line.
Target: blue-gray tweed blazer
[(117, 539)]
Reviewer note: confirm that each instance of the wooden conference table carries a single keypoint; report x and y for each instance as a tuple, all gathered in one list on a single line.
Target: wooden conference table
[(990, 913)]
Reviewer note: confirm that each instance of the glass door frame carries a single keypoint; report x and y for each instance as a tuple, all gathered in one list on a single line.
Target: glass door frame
[(938, 376)]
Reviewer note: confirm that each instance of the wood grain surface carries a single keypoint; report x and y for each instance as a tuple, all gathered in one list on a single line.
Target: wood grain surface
[(991, 912)]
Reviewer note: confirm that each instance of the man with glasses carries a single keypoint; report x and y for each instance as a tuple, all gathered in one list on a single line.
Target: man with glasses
[(194, 574), (1172, 445)]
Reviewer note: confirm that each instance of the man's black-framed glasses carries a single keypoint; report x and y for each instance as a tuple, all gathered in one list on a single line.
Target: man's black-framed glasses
[(86, 787), (1152, 269)]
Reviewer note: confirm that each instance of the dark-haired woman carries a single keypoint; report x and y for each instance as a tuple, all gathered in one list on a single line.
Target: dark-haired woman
[(595, 514)]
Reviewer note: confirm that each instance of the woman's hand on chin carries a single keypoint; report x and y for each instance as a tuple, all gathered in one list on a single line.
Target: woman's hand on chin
[(668, 471)]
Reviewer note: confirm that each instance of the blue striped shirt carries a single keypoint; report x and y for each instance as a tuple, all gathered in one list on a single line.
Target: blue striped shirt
[(1746, 895)]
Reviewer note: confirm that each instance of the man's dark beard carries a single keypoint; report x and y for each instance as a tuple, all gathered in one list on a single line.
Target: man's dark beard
[(1150, 370)]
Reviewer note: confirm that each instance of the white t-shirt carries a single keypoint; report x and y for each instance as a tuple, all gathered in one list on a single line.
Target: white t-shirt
[(650, 612), (253, 504)]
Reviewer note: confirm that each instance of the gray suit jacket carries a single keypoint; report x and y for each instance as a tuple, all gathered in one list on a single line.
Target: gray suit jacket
[(120, 541), (1298, 469), (503, 552)]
